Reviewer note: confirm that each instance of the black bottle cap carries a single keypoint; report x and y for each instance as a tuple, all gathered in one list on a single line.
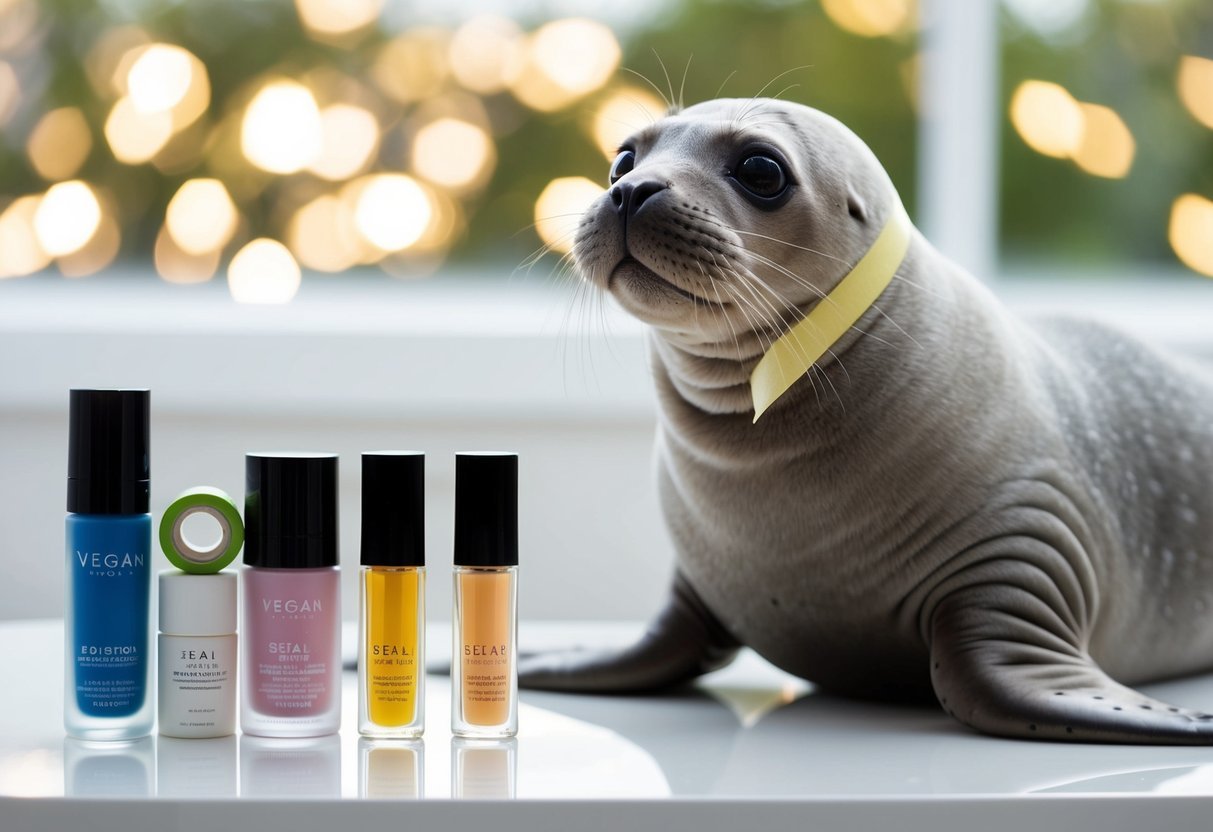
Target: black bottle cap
[(108, 470), (290, 510), (393, 508), (486, 509)]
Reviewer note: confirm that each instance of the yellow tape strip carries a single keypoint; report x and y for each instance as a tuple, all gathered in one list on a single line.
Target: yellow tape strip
[(798, 349)]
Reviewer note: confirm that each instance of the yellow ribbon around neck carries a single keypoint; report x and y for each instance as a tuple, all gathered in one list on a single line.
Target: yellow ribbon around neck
[(798, 349)]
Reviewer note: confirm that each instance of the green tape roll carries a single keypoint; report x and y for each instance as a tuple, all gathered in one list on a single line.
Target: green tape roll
[(183, 554)]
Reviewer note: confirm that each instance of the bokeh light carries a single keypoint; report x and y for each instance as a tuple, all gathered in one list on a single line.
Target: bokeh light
[(566, 60), (97, 253), (391, 211), (1191, 232), (621, 114), (870, 18), (1196, 87), (281, 131), (337, 17), (487, 54), (177, 266), (413, 66), (323, 236), (114, 48), (446, 220), (159, 78), (201, 216), (18, 21), (1107, 147), (10, 92), (59, 143), (454, 154), (1047, 118), (135, 137), (263, 272), (163, 78), (67, 218), (559, 208), (349, 139), (20, 252)]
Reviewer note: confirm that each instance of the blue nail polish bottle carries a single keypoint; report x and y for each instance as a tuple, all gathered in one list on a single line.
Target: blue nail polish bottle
[(107, 674)]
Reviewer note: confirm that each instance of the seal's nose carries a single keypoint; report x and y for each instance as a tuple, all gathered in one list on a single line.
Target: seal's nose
[(629, 196)]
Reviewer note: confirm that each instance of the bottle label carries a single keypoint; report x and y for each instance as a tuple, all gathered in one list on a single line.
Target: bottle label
[(392, 637), (485, 642), (109, 587), (197, 692), (292, 639)]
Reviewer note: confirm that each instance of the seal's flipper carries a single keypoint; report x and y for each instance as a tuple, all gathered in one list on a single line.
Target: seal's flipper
[(1003, 662), (683, 642)]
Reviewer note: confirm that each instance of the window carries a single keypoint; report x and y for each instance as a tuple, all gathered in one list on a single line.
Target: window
[(255, 140), (1107, 150)]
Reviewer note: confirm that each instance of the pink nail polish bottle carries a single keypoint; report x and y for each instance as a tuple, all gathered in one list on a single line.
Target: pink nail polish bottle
[(292, 597)]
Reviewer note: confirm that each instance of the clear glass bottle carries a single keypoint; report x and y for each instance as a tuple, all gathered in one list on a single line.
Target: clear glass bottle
[(291, 620), (484, 651), (391, 634)]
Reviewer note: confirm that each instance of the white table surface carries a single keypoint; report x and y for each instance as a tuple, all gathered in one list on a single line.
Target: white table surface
[(747, 745)]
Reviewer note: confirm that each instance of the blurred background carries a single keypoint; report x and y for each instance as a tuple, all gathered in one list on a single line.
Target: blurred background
[(180, 137), (322, 223)]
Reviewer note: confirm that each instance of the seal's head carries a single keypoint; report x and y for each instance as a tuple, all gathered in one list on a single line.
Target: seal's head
[(724, 221)]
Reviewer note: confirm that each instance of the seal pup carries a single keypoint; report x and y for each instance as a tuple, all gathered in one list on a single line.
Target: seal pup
[(949, 501)]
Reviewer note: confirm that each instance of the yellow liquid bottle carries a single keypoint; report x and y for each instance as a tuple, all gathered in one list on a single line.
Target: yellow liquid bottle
[(391, 636)]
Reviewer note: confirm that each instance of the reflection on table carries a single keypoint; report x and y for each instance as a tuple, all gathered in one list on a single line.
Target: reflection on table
[(203, 768), (484, 769), (274, 767), (109, 769), (391, 769)]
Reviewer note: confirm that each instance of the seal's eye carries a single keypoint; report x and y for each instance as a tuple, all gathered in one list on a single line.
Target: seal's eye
[(761, 175), (624, 162)]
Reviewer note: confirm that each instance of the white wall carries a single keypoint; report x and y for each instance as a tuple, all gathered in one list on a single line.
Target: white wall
[(408, 368)]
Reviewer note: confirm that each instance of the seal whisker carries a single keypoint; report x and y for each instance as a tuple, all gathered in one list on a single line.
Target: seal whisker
[(785, 89), (727, 320), (899, 327), (726, 80), (682, 87), (668, 82), (919, 287), (745, 281), (669, 105), (750, 275), (758, 96), (758, 324), (786, 243)]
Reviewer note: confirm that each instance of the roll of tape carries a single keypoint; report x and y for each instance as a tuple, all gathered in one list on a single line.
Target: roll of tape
[(185, 555)]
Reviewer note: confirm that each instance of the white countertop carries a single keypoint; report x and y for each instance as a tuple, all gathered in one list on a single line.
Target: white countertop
[(747, 745)]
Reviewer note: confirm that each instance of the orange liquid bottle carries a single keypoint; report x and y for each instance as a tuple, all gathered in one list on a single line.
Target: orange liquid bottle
[(484, 670)]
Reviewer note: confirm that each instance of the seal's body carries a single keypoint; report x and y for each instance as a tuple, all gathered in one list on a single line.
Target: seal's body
[(1008, 514)]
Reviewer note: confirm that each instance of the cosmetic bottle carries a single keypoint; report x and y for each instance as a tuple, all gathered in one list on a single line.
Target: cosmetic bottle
[(107, 673), (292, 597), (391, 637), (484, 670), (197, 655)]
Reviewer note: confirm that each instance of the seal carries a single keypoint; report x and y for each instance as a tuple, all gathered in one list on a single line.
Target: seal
[(1009, 515)]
